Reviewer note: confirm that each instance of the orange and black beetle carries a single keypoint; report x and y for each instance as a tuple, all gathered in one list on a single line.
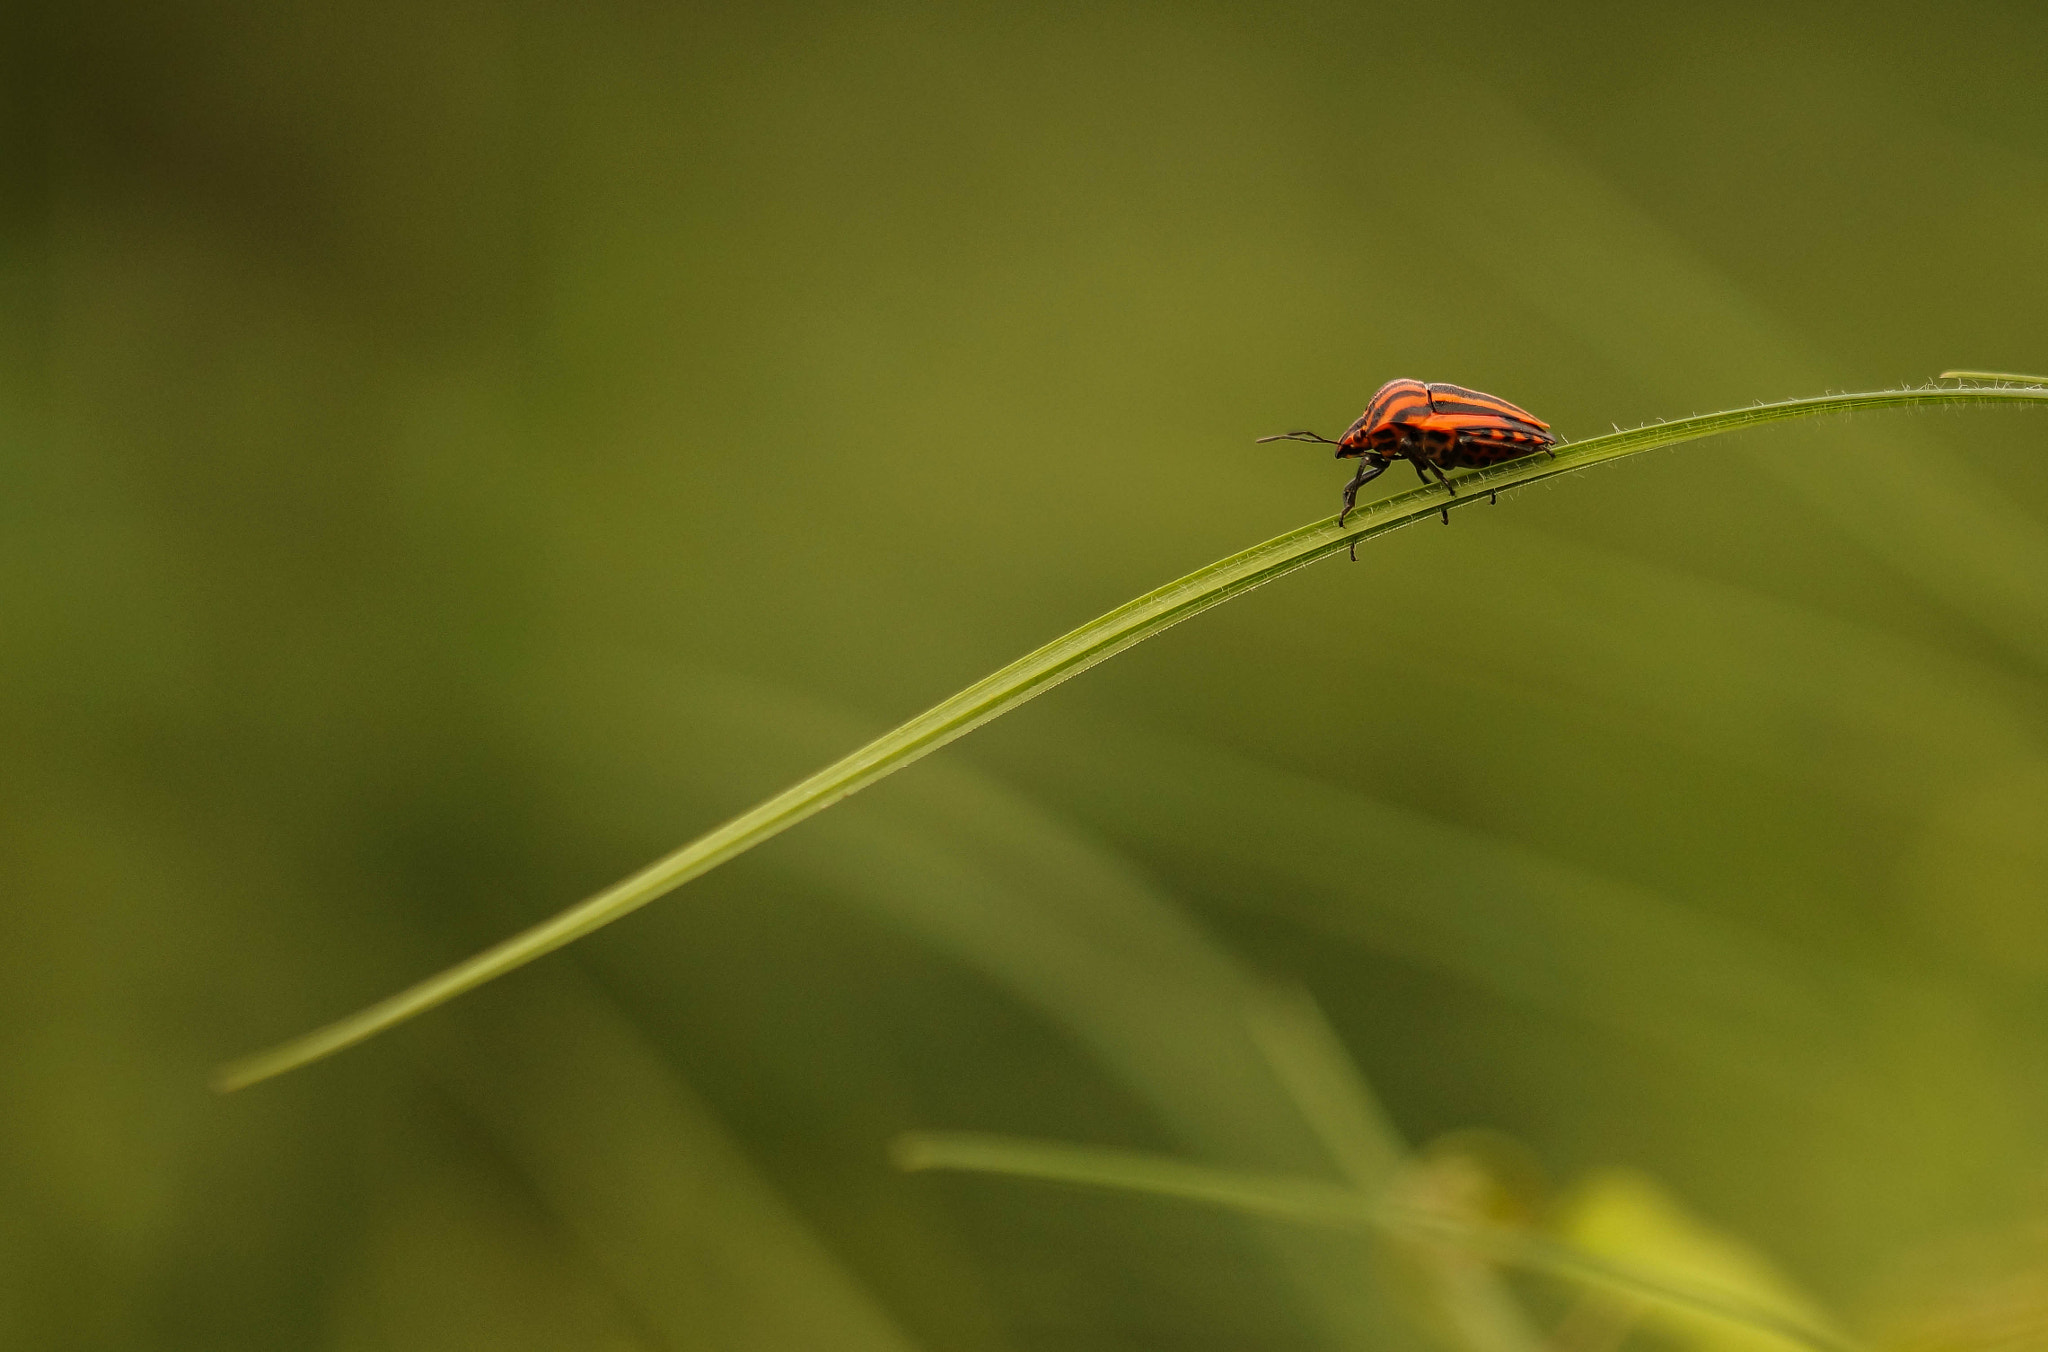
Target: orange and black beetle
[(1432, 427)]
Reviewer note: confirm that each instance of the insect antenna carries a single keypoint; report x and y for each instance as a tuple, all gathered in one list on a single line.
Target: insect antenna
[(1300, 436)]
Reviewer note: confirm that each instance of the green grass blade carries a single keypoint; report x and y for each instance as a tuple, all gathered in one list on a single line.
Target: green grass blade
[(1284, 1197), (1308, 1201), (1309, 1059), (1993, 375), (1039, 671)]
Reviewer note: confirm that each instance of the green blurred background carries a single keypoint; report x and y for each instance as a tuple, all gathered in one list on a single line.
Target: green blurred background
[(451, 453)]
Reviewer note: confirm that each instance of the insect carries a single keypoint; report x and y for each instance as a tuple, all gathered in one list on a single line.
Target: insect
[(1431, 427)]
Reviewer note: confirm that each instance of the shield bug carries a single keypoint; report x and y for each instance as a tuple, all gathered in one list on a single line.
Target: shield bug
[(1432, 427)]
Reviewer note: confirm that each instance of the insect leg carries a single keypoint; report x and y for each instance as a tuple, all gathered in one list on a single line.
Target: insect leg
[(1438, 470), (1370, 467)]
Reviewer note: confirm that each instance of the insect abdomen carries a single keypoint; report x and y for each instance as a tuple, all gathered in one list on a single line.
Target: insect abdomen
[(1457, 401), (1468, 449), (1469, 427)]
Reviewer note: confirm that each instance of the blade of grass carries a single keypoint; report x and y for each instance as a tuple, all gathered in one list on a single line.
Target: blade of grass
[(1308, 1201), (1037, 672), (1311, 1062), (1993, 375), (1477, 1309)]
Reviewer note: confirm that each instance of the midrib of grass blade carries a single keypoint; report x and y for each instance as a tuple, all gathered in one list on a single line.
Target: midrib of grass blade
[(1037, 672)]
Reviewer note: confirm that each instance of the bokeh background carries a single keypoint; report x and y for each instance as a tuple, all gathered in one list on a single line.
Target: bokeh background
[(452, 452)]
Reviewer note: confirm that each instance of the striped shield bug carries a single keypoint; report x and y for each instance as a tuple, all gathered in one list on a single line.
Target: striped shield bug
[(1432, 427)]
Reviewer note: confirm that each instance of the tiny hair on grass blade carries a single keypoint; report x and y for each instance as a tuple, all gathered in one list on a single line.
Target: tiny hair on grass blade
[(1315, 1202), (1039, 671)]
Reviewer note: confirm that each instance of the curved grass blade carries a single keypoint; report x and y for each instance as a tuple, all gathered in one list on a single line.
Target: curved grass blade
[(2007, 376), (1308, 1201), (1039, 671)]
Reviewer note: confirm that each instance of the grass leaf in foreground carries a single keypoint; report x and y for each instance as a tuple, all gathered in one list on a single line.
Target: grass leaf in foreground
[(1039, 671)]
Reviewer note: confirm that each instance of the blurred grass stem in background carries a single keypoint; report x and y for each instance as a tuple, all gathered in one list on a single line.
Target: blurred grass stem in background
[(1039, 671), (1310, 1201)]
